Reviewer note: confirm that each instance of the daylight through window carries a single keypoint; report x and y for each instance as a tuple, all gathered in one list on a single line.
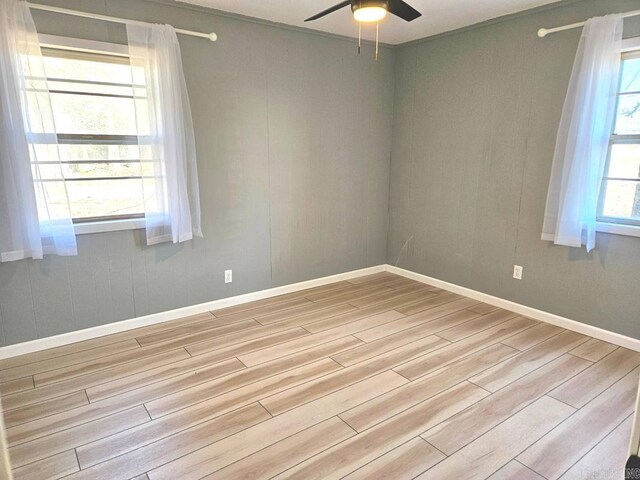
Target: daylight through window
[(620, 193), (93, 106)]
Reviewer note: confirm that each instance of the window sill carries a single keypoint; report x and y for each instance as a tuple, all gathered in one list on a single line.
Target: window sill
[(109, 226), (618, 229)]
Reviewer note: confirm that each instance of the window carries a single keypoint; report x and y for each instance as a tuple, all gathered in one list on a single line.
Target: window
[(92, 95), (620, 193)]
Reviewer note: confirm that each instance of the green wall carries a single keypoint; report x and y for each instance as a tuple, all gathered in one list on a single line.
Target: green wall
[(315, 161), (475, 120), (293, 133)]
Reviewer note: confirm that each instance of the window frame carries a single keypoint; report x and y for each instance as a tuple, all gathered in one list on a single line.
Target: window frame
[(102, 224), (614, 225)]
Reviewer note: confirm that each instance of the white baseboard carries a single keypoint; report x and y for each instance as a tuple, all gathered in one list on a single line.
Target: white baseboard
[(116, 327), (595, 332), (102, 330)]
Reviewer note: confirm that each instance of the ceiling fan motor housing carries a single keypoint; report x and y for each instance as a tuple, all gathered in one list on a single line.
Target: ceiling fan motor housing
[(358, 4)]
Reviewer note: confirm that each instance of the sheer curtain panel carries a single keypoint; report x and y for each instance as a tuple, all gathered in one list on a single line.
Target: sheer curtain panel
[(165, 135), (583, 136), (34, 211)]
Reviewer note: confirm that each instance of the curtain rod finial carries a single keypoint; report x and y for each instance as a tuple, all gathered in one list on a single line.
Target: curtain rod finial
[(542, 32), (213, 36)]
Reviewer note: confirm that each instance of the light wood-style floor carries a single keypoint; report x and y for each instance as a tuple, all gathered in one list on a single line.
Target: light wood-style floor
[(379, 377)]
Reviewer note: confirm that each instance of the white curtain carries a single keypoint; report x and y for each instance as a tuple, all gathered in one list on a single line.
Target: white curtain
[(34, 214), (165, 135), (583, 136)]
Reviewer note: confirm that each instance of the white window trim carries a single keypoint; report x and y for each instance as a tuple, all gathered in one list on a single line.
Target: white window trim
[(618, 229), (628, 45), (82, 45), (109, 226)]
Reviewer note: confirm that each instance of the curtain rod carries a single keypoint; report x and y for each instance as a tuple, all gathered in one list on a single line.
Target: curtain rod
[(47, 8), (543, 32)]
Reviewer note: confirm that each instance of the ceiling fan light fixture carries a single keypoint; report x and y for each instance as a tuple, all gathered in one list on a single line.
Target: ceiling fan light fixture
[(369, 14)]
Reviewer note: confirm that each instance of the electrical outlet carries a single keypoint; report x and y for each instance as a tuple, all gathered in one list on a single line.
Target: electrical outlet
[(228, 276), (517, 272)]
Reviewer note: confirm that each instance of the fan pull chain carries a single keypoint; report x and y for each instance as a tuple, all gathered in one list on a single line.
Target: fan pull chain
[(359, 37), (377, 38)]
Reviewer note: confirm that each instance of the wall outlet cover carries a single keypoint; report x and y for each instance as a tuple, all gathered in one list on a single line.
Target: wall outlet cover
[(517, 272), (228, 276)]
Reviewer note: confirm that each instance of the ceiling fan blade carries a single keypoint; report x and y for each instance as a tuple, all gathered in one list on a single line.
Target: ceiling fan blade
[(346, 3), (403, 10)]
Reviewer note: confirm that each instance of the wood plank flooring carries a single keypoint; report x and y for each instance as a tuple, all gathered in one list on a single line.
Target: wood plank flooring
[(379, 377)]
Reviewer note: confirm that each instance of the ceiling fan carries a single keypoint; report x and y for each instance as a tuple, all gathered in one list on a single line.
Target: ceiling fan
[(373, 10), (369, 11)]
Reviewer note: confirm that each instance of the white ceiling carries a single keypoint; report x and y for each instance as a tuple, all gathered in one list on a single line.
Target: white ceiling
[(437, 15)]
